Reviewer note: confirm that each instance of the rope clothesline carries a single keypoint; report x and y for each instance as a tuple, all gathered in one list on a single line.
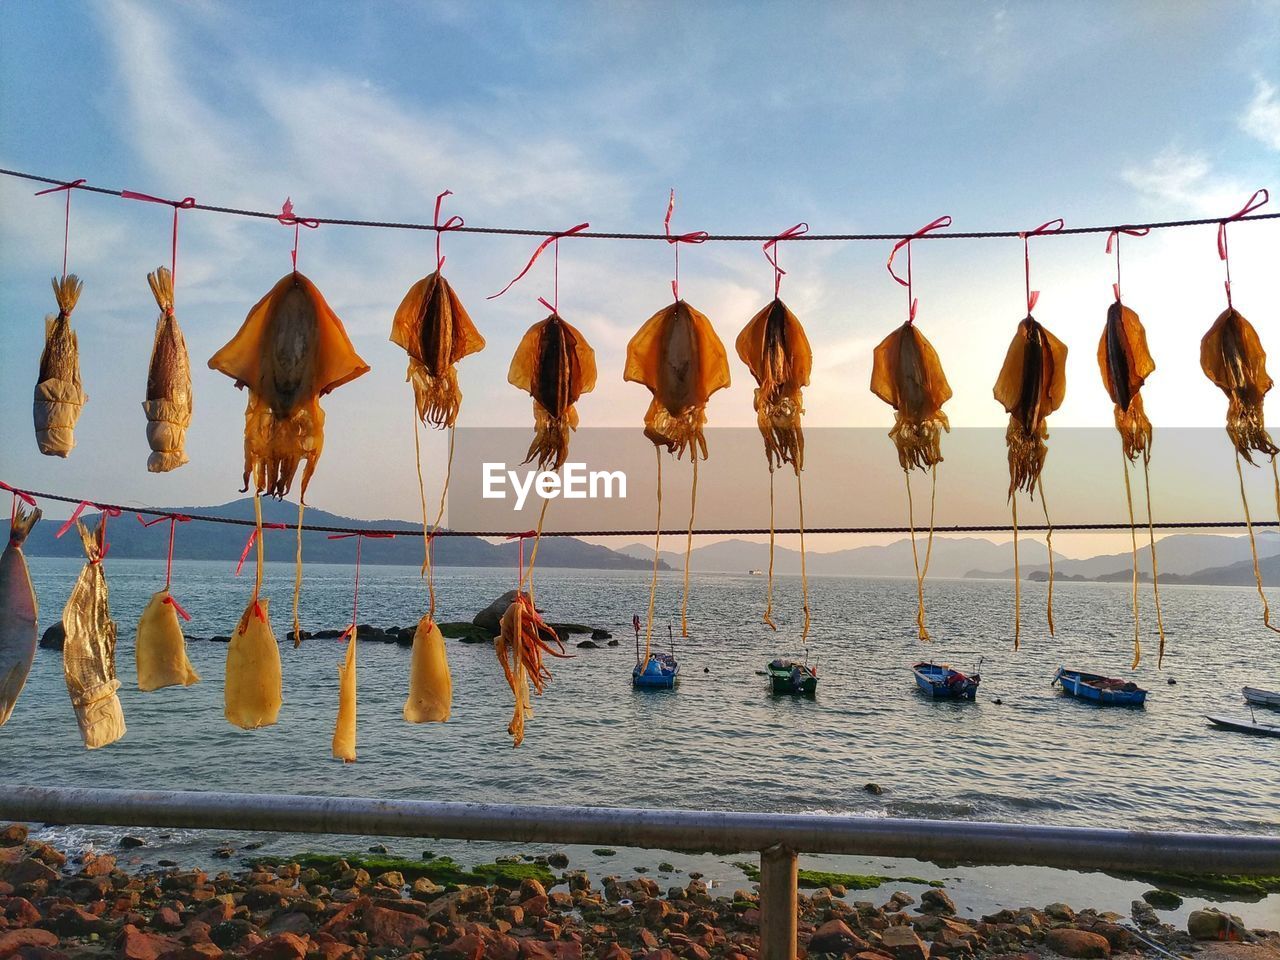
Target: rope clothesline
[(599, 235), (411, 530)]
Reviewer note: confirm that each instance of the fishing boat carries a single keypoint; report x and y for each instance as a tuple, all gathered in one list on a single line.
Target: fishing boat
[(788, 676), (941, 682), (1107, 691), (1262, 698), (1245, 726), (660, 670)]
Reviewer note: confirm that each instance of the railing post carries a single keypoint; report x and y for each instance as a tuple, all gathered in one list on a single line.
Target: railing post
[(777, 903)]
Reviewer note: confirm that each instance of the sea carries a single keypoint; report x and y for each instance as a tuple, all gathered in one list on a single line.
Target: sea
[(1021, 753)]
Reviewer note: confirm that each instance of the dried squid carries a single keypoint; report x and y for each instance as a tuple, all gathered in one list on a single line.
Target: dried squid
[(89, 651), (555, 365), (291, 350), (1125, 363), (523, 639), (430, 686), (1031, 385), (775, 349), (344, 733), (252, 693), (677, 355), (168, 403), (59, 396), (160, 648), (907, 374), (1231, 355), (18, 611)]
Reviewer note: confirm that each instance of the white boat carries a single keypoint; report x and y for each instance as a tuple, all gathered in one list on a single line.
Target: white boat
[(1245, 726), (1262, 698)]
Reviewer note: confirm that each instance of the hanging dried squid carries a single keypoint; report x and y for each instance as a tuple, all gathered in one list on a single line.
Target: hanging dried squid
[(555, 365), (776, 350), (436, 332), (253, 690), (1031, 385), (59, 397), (1125, 363), (291, 350), (160, 649), (430, 686), (679, 357), (344, 732), (89, 650), (168, 403), (1231, 355), (907, 374), (523, 640), (19, 609)]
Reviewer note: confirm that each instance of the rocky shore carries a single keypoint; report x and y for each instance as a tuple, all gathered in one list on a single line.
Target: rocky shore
[(55, 907)]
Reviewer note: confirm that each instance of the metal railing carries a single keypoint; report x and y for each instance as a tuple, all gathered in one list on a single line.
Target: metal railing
[(779, 837)]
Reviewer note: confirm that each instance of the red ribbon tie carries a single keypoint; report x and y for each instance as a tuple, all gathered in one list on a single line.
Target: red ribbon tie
[(938, 224), (771, 252)]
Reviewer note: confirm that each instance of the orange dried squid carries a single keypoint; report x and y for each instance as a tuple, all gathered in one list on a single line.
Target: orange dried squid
[(907, 374), (59, 397), (555, 365), (776, 350), (523, 639), (1031, 385), (290, 351), (1125, 363), (1231, 355), (677, 355)]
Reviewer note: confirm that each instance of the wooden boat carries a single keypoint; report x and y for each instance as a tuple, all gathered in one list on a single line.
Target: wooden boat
[(1107, 691), (1245, 726), (1262, 698), (659, 673), (943, 683), (788, 676)]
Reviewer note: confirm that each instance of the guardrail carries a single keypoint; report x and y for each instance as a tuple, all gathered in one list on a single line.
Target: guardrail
[(779, 837)]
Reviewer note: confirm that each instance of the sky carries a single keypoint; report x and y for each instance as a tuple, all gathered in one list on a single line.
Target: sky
[(851, 117)]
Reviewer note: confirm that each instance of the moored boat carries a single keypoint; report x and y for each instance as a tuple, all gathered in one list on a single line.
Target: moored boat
[(788, 676), (942, 682), (1245, 726), (1107, 691), (659, 673), (1262, 698)]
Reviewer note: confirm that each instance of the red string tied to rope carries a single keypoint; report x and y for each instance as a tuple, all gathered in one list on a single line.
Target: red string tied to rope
[(1049, 226), (287, 218), (248, 544), (19, 494), (1113, 238), (771, 252), (174, 519), (522, 537), (552, 238), (696, 236), (186, 203), (1260, 198), (941, 223), (66, 222), (453, 223), (107, 511)]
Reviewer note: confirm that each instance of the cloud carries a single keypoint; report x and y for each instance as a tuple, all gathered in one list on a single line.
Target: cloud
[(1261, 119), (1185, 180)]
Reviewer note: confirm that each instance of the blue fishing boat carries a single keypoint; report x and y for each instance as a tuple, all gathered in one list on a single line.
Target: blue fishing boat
[(1107, 691), (943, 683), (659, 673)]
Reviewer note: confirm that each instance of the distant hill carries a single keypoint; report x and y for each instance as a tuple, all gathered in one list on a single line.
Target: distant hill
[(217, 541)]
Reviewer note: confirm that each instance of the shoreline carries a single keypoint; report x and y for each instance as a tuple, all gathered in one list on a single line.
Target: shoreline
[(57, 902)]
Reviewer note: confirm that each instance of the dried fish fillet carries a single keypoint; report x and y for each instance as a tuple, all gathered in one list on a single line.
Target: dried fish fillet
[(89, 651), (430, 686), (555, 365), (679, 357), (344, 733), (168, 403), (18, 612), (59, 396), (775, 349), (435, 330), (252, 694), (291, 350), (160, 648)]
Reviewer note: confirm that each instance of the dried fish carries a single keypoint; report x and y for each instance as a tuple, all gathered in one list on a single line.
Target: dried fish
[(89, 651), (18, 612), (59, 396), (168, 403)]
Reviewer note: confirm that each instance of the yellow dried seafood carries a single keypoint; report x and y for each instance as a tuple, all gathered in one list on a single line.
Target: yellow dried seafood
[(168, 403), (160, 648), (18, 611), (436, 332), (252, 692), (555, 365), (523, 639), (59, 396), (430, 686), (89, 651)]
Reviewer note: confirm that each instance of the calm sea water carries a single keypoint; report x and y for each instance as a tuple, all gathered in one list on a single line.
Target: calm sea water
[(719, 741)]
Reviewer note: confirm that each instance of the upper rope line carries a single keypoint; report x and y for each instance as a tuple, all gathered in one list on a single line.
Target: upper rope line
[(599, 235)]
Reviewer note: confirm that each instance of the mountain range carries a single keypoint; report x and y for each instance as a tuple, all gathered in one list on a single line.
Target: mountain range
[(218, 541)]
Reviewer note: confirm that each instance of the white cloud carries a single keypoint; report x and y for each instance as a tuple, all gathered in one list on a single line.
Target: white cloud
[(1261, 120), (1177, 179)]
